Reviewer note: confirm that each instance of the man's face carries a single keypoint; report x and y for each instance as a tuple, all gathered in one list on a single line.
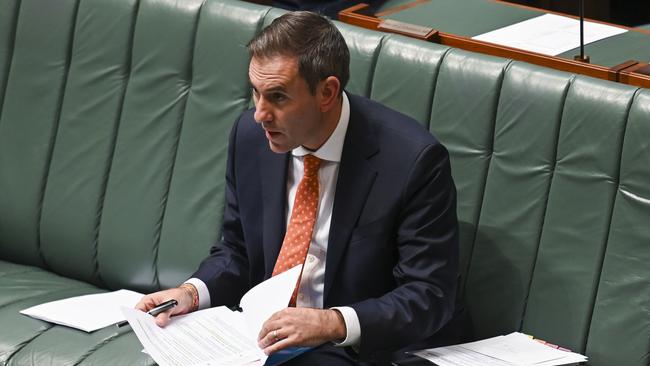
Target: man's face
[(288, 112)]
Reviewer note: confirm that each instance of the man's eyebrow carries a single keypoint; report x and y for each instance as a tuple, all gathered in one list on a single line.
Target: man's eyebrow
[(279, 88), (273, 89)]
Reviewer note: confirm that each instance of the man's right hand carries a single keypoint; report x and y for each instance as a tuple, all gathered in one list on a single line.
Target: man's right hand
[(180, 294)]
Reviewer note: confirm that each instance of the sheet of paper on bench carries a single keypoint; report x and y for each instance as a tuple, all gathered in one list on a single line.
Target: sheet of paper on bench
[(512, 349), (549, 34), (216, 336), (88, 312)]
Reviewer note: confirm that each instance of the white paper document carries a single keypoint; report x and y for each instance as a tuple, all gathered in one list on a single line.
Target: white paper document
[(509, 350), (216, 336), (88, 312), (549, 34)]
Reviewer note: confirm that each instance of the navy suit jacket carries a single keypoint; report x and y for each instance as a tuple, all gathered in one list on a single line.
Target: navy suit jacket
[(393, 246)]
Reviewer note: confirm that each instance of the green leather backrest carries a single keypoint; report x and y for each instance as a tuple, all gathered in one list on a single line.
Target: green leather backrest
[(113, 133), (620, 325), (114, 120)]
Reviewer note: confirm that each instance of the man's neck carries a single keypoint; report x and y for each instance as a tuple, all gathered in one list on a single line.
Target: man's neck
[(330, 121)]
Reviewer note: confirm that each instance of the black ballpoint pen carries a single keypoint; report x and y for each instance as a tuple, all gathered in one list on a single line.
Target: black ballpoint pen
[(155, 311)]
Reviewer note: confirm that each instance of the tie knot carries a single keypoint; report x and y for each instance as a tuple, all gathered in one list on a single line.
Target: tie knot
[(311, 165)]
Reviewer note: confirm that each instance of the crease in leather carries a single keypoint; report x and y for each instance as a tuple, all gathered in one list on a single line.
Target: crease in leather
[(179, 128), (11, 274), (98, 346), (22, 345), (373, 66), (113, 144), (434, 87), (481, 201), (548, 193), (35, 296), (54, 133), (603, 251), (10, 54)]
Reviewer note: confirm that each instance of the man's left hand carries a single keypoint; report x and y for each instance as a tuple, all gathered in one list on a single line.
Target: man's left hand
[(304, 327)]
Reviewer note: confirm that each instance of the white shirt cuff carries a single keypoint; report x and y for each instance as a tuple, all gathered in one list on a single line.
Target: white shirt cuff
[(204, 294), (352, 326)]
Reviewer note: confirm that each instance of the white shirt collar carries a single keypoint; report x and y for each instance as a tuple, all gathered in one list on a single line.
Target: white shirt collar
[(332, 148)]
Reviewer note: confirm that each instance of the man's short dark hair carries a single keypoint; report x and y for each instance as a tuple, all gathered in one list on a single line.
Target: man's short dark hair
[(313, 39)]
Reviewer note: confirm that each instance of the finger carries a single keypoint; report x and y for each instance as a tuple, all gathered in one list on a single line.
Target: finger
[(269, 326), (271, 337), (264, 331), (280, 345), (162, 319), (146, 303)]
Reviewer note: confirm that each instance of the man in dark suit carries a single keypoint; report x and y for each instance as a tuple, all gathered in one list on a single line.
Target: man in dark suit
[(359, 194)]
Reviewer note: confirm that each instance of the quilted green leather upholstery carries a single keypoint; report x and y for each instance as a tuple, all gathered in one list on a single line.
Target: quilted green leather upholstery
[(114, 119)]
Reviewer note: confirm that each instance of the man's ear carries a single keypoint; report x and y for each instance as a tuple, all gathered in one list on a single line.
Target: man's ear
[(329, 90)]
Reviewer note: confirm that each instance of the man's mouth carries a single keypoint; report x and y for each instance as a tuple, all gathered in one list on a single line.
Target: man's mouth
[(271, 134)]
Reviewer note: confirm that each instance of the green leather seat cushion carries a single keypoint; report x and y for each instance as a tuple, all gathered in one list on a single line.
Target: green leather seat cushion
[(24, 340)]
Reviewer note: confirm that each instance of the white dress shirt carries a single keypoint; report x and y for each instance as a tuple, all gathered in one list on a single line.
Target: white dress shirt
[(310, 291)]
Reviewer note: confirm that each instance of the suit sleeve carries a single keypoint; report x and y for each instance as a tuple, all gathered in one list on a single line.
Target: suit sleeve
[(225, 270), (427, 266)]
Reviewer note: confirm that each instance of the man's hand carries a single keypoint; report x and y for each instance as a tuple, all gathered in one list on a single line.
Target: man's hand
[(301, 327), (182, 295)]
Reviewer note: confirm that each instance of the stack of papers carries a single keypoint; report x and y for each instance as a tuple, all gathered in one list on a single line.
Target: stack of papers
[(549, 34), (89, 312), (218, 336), (512, 349)]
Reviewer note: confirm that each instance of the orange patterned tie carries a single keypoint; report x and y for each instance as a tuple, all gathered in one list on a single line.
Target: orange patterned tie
[(301, 224)]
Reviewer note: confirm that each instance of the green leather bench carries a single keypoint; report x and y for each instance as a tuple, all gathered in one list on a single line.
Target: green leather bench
[(114, 117)]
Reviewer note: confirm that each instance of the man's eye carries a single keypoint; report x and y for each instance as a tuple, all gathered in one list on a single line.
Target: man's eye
[(278, 97)]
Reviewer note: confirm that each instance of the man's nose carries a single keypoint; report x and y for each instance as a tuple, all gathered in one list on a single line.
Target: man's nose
[(262, 111)]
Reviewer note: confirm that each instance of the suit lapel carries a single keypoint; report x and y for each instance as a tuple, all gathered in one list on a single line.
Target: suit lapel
[(356, 175), (273, 175)]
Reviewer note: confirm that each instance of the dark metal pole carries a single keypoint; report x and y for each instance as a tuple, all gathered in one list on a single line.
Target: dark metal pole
[(582, 28), (582, 56)]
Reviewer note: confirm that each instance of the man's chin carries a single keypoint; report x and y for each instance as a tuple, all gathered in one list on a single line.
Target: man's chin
[(278, 148)]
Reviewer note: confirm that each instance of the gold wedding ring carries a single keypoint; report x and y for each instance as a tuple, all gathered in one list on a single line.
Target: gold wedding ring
[(275, 335)]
